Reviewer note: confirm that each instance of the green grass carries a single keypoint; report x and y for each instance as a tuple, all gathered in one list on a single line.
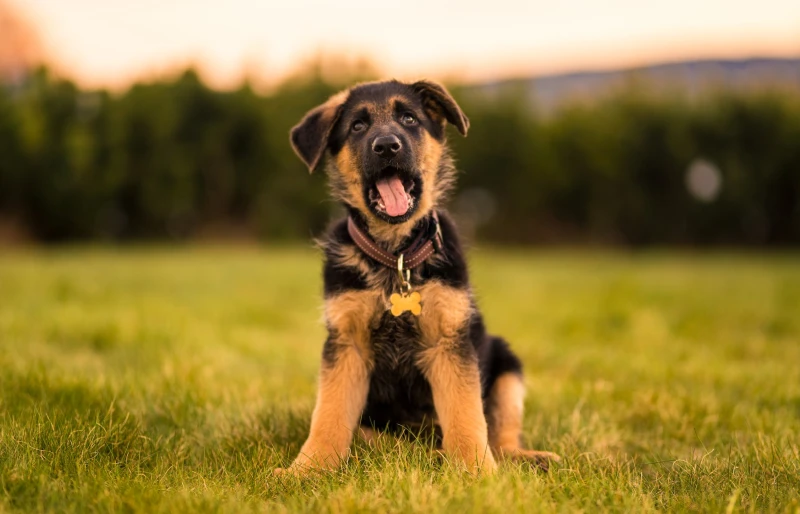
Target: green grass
[(158, 380)]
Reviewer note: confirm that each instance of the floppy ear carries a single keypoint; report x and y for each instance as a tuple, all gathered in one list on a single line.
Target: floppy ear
[(440, 104), (310, 136)]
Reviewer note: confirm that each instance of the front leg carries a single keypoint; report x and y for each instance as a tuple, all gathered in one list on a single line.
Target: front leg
[(343, 385), (450, 365)]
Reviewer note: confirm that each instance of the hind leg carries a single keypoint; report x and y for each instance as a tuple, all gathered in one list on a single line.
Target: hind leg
[(504, 416), (368, 434)]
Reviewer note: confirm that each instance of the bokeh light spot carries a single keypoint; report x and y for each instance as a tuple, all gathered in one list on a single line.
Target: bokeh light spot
[(703, 180)]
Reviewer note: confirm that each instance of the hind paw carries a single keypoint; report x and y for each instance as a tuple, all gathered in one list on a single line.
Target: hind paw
[(540, 459)]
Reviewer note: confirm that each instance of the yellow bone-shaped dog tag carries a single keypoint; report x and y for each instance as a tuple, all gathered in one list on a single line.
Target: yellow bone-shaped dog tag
[(406, 302)]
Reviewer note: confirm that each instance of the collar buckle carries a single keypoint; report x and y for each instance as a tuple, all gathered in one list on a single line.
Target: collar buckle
[(405, 274)]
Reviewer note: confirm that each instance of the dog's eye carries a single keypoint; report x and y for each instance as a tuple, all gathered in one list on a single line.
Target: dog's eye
[(408, 119), (358, 126)]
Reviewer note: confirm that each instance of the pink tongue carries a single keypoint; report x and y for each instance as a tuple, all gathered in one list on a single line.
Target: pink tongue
[(393, 195)]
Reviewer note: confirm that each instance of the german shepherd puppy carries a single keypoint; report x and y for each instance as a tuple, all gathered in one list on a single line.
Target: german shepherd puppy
[(406, 347)]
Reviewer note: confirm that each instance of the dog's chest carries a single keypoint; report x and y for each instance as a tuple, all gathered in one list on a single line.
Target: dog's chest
[(396, 344)]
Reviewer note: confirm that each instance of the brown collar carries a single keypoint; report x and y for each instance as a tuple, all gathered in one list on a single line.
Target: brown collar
[(417, 253)]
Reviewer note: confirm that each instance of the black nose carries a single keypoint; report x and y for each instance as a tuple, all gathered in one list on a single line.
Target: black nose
[(386, 146)]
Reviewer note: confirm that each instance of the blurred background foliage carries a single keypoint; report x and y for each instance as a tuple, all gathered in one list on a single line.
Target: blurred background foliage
[(175, 159)]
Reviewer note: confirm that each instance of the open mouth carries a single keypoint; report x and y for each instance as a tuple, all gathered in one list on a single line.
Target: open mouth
[(393, 196)]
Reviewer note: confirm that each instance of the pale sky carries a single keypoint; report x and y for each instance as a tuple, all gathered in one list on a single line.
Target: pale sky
[(112, 42)]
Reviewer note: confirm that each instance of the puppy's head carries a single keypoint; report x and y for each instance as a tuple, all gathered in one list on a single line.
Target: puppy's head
[(387, 145)]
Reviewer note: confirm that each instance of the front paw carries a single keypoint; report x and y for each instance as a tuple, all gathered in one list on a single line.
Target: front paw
[(294, 471), (472, 460), (297, 471), (309, 463)]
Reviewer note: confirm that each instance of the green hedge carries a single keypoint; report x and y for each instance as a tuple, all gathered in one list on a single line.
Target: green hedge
[(171, 159)]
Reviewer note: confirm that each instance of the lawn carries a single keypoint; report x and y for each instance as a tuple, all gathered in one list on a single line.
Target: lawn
[(175, 380)]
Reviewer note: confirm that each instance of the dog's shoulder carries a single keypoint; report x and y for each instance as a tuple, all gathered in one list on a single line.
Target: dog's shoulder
[(335, 235), (448, 266), (344, 267)]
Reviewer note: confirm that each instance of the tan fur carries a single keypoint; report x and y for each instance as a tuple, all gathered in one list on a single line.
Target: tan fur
[(430, 156), (344, 383), (436, 176), (394, 99), (456, 388), (368, 435), (375, 113), (434, 111), (391, 236), (454, 379), (346, 181), (445, 312), (350, 316), (341, 398), (505, 423)]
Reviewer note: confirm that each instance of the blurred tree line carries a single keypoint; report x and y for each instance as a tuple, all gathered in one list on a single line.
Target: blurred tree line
[(174, 159)]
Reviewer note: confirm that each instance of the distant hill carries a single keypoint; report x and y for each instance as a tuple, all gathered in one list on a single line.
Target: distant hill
[(691, 77)]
